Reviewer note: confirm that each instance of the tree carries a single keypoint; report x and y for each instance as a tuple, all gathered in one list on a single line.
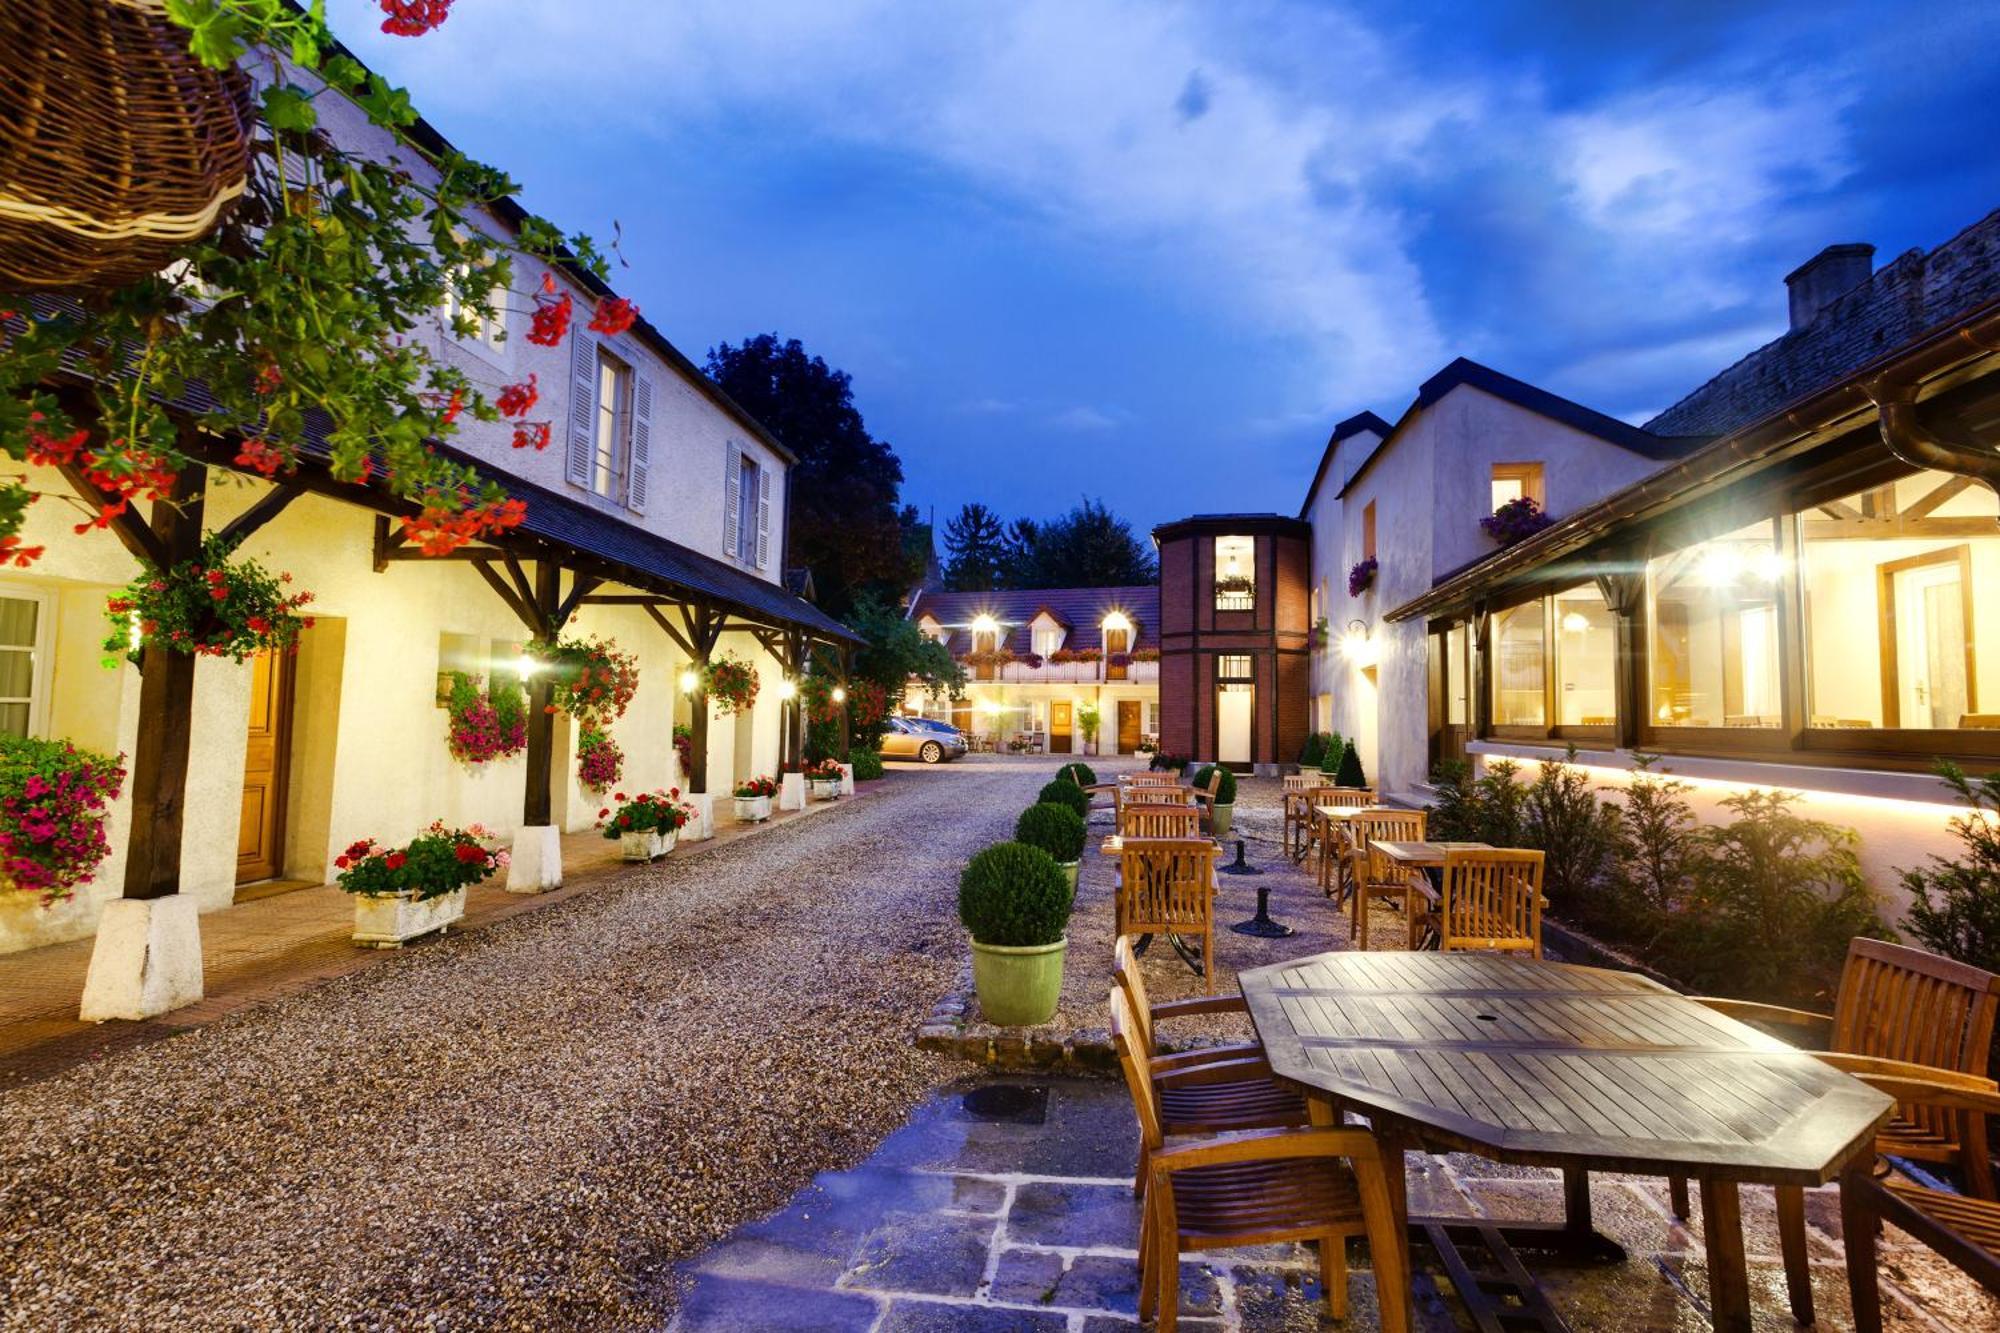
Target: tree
[(976, 539), (1089, 547), (846, 523), (1017, 558), (898, 654)]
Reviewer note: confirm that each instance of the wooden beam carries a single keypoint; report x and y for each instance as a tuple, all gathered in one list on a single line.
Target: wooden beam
[(522, 587), (535, 805), (1893, 529), (387, 543), (127, 526), (680, 640), (580, 586), (1936, 496), (166, 714), (269, 505), (627, 599), (524, 611)]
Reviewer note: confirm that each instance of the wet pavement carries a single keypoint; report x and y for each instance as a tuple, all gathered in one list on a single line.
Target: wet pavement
[(1006, 1204)]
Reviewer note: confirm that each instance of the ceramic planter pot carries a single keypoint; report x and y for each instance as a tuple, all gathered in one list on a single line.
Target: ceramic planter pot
[(753, 809), (1018, 985), (386, 921), (1072, 869), (1221, 820), (824, 789)]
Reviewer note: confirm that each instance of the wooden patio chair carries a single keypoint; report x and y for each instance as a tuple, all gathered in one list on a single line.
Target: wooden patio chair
[(1899, 1003), (1158, 821), (1166, 886), (1204, 796), (1375, 875), (1965, 1231), (1147, 1015), (1330, 837), (1149, 778), (1491, 901), (1319, 1186)]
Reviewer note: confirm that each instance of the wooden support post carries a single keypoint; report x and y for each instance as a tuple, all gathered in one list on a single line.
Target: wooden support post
[(535, 810), (1624, 594), (846, 660), (166, 714)]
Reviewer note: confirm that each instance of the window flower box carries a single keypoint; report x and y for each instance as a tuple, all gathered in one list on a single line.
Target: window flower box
[(647, 844)]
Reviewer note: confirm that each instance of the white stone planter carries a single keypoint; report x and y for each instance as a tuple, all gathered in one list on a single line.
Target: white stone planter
[(825, 789), (847, 779), (647, 846), (386, 921), (792, 791), (753, 809)]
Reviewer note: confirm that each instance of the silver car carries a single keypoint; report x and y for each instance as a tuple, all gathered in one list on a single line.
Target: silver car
[(921, 739)]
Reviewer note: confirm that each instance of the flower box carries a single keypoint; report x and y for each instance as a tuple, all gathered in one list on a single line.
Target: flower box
[(824, 789), (388, 920), (647, 844), (753, 809)]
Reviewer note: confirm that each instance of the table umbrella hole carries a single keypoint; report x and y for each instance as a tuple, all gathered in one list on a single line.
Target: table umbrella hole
[(1011, 1102)]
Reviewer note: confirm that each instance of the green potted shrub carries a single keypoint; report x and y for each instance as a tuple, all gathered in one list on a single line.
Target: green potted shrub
[(1064, 792), (1088, 719), (1329, 759), (1015, 902), (867, 765), (1349, 773), (1222, 813), (1057, 830), (1081, 774)]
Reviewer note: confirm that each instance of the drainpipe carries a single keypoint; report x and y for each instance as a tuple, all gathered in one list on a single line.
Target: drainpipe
[(1921, 440)]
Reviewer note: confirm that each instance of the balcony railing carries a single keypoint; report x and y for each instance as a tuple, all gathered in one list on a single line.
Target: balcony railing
[(1066, 673)]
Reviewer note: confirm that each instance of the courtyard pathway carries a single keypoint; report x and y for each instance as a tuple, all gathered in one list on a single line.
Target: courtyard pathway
[(523, 1126)]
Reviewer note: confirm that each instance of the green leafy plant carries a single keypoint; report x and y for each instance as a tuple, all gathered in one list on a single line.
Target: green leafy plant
[(1336, 749), (1580, 834), (1162, 762), (1089, 717), (1062, 791), (435, 863), (1956, 903), (1349, 773), (1454, 811), (1313, 752), (1659, 840), (1014, 896), (54, 801), (659, 812), (867, 764), (1056, 829), (1081, 774), (485, 724), (731, 683), (1225, 794)]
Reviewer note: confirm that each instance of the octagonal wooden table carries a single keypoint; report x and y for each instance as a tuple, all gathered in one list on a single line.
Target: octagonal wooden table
[(1550, 1064)]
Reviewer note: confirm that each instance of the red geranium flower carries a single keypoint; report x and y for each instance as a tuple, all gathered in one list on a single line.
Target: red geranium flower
[(413, 18), (516, 399), (531, 435), (614, 315), (550, 321)]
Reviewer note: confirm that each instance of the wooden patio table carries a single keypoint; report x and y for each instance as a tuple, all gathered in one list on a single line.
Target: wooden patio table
[(1550, 1064)]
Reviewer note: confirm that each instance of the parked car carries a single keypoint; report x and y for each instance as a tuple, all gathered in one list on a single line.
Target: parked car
[(922, 739)]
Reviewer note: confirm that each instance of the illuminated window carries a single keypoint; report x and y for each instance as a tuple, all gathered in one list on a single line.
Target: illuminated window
[(1896, 636), (1586, 659), (1511, 481), (1519, 667), (24, 626), (1235, 573), (1233, 667), (1368, 531), (1048, 638), (614, 401), (1713, 648), (1457, 697)]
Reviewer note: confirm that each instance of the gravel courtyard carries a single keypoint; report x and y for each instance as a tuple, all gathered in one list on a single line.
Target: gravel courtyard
[(523, 1126)]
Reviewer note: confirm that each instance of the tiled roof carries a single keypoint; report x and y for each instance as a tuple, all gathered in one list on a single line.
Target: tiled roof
[(1901, 302), (1082, 610)]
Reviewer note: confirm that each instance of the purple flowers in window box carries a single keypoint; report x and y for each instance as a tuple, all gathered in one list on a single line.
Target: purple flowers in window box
[(1362, 577), (1517, 519)]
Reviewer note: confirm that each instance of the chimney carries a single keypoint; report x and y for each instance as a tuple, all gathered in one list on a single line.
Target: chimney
[(1827, 276)]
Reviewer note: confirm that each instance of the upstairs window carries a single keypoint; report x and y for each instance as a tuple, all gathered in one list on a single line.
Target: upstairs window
[(614, 398), (610, 424), (1368, 531), (1235, 573), (746, 509), (1512, 481), (482, 323), (1048, 638)]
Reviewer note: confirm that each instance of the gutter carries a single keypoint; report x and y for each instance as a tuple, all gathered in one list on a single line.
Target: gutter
[(1777, 436)]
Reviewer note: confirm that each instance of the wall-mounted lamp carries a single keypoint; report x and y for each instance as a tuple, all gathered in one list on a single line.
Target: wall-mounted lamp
[(984, 624), (839, 695), (1358, 646), (526, 666), (690, 681), (787, 688), (1575, 622)]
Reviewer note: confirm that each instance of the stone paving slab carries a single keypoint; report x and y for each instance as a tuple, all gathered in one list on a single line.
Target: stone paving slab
[(1006, 1203)]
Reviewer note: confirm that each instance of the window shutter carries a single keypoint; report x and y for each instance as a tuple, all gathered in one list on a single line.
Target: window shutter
[(763, 517), (732, 499), (582, 407), (642, 442)]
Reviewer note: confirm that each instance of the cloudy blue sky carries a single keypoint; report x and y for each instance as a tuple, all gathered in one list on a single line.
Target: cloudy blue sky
[(1135, 248)]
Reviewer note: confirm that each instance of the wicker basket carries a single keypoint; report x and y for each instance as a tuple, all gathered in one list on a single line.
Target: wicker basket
[(117, 146)]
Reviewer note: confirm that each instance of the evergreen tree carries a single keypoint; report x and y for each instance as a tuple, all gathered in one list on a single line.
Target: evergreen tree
[(975, 538)]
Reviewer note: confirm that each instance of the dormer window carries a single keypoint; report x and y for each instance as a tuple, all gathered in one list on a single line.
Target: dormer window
[(1048, 636)]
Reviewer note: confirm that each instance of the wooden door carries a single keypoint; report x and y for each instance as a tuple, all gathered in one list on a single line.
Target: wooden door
[(1128, 726), (1061, 719), (260, 841)]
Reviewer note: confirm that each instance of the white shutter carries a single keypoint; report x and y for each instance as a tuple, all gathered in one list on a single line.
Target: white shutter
[(732, 499), (582, 407), (642, 442), (763, 517)]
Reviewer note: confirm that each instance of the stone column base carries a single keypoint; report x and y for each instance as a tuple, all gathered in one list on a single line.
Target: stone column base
[(703, 824), (536, 863), (147, 959), (792, 791), (847, 779)]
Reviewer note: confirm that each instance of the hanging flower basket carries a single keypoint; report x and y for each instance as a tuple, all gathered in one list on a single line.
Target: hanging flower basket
[(132, 150), (599, 761), (593, 679), (731, 683), (210, 605), (1362, 576), (487, 724)]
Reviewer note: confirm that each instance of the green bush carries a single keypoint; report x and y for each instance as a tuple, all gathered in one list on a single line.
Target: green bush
[(1314, 752), (1349, 773), (1956, 907), (1336, 750), (1169, 763), (1226, 793), (1014, 896), (1061, 791), (1056, 829), (1080, 774), (867, 764), (1657, 842), (1581, 834)]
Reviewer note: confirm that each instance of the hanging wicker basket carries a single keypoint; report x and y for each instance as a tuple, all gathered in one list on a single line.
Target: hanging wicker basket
[(117, 147)]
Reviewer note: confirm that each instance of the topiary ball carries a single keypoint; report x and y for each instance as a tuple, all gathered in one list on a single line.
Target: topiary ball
[(1064, 792), (1014, 896), (1080, 774), (867, 765), (1056, 829), (1225, 794)]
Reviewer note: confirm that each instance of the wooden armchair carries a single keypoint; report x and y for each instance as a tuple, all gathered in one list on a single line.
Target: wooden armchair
[(1964, 1230), (1375, 875), (1491, 900), (1330, 836), (1158, 821), (1320, 1186), (1904, 1004), (1166, 886)]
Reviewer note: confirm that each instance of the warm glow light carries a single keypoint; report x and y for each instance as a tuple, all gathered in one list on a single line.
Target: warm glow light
[(1719, 566), (525, 666), (1358, 647), (839, 695), (690, 682), (1767, 565), (984, 624), (991, 706), (787, 688), (1116, 622), (1576, 622)]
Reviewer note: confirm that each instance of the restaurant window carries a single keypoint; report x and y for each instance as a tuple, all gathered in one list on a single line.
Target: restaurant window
[(1235, 573), (1897, 635), (1586, 659), (1511, 481), (1457, 698), (614, 398), (1520, 666), (1712, 649), (1233, 666)]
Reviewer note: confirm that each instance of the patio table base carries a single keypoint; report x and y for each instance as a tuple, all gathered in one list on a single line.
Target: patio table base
[(1261, 925)]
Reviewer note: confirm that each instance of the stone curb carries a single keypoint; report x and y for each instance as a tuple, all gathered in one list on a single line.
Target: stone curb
[(955, 1029)]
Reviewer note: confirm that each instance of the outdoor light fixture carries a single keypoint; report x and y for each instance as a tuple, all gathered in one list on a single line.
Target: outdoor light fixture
[(839, 695), (1767, 565), (1576, 622), (690, 682), (1719, 566), (787, 688), (984, 624), (1357, 646), (1116, 622), (525, 666)]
